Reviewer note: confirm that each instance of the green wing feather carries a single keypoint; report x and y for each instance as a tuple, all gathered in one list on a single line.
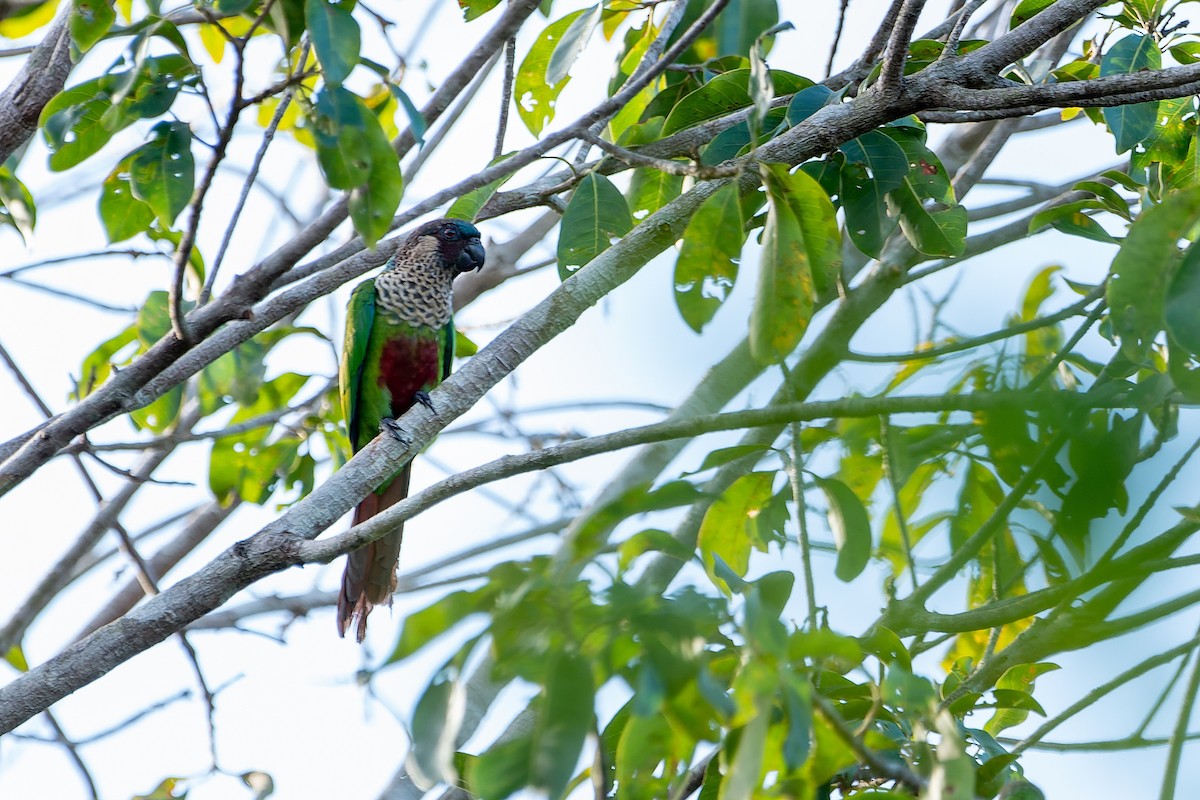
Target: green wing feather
[(360, 318), (448, 348)]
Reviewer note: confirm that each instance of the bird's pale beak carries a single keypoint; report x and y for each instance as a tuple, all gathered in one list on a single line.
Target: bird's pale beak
[(471, 257)]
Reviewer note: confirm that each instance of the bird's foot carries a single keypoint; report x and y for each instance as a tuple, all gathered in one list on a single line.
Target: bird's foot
[(389, 425), (424, 399)]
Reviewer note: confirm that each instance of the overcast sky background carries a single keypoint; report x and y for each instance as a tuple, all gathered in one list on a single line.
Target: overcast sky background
[(297, 712)]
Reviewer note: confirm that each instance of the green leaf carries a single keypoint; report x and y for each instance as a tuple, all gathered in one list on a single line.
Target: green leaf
[(464, 347), (708, 260), (437, 719), (97, 365), (754, 690), (502, 770), (1019, 679), (340, 132), (90, 20), (725, 455), (16, 205), (72, 124), (797, 701), (335, 37), (1027, 10), (865, 204), (1014, 698), (564, 719), (851, 528), (416, 121), (800, 242), (162, 172), (883, 157), (1132, 123), (573, 40), (650, 190), (470, 204), (725, 93), (931, 220), (16, 658), (473, 9), (1183, 299), (122, 213), (1143, 268), (534, 97), (736, 28), (1071, 218), (595, 215), (807, 102), (647, 541), (248, 465), (373, 205), (422, 627), (727, 527)]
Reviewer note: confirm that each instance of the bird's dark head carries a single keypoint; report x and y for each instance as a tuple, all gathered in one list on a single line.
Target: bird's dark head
[(455, 241)]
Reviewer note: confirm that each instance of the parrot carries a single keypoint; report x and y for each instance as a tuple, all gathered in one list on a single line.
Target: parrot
[(399, 345)]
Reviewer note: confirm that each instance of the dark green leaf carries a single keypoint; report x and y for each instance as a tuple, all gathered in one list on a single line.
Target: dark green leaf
[(931, 220), (416, 121), (865, 204), (1131, 123), (340, 131), (335, 37), (882, 156), (595, 216), (807, 102), (708, 260), (727, 92), (162, 172)]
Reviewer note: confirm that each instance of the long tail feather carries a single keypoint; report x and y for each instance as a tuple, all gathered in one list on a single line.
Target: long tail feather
[(370, 575)]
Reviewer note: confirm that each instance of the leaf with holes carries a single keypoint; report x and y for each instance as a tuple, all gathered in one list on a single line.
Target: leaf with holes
[(162, 172), (708, 260)]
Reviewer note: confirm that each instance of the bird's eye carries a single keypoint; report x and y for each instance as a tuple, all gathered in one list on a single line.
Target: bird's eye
[(449, 233)]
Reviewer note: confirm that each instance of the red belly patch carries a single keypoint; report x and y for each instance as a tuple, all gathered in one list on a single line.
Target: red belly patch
[(408, 366)]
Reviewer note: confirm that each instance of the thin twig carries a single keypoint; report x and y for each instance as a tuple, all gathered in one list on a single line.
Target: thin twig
[(72, 749), (510, 61), (268, 136), (1179, 735), (837, 36)]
